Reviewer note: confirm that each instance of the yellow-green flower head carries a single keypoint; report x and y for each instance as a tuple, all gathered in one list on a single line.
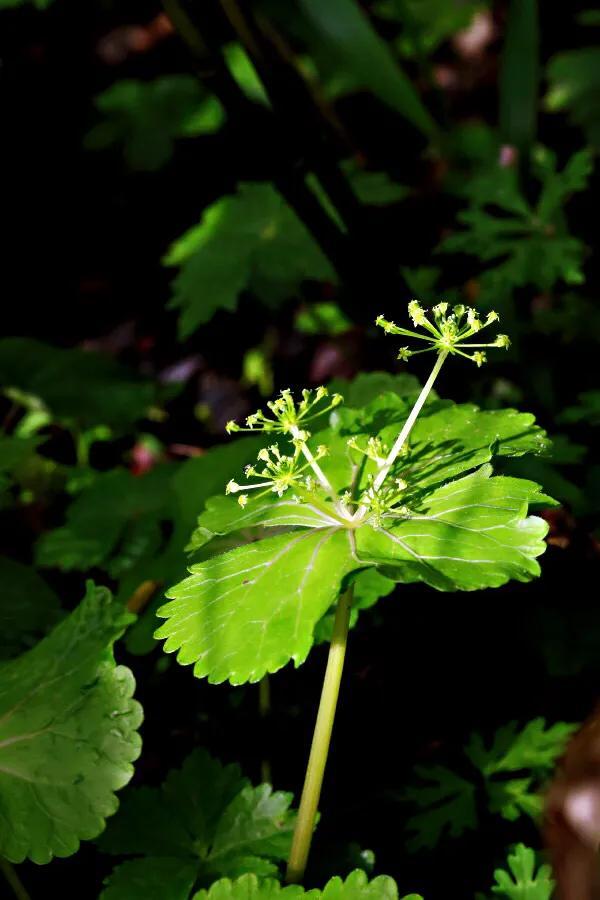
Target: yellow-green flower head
[(375, 449), (286, 416), (279, 473), (383, 502), (447, 332)]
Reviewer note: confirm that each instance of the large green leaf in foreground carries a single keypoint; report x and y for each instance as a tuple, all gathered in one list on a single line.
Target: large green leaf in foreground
[(471, 534), (355, 887), (68, 734), (250, 611), (206, 821)]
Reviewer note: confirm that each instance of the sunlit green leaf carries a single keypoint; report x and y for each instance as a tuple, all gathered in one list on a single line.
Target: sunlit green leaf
[(523, 881), (249, 611), (355, 887)]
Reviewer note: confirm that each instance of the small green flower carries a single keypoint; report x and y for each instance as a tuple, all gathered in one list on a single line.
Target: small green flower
[(447, 332), (375, 449), (287, 415), (280, 473), (383, 501)]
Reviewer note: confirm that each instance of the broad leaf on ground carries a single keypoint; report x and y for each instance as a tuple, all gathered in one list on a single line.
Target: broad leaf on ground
[(248, 240), (79, 387), (448, 802), (528, 244), (113, 524), (206, 818), (14, 452), (29, 607), (447, 805), (159, 878), (68, 734), (146, 117), (586, 411)]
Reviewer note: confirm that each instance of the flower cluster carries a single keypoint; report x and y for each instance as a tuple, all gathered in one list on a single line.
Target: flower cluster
[(375, 449), (287, 416), (280, 472), (382, 501), (447, 331)]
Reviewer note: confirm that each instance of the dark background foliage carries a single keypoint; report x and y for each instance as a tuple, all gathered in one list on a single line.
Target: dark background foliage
[(82, 268)]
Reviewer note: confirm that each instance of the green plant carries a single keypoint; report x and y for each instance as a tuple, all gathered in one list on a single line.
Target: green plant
[(528, 244), (523, 882), (508, 773), (324, 153), (68, 733), (415, 503)]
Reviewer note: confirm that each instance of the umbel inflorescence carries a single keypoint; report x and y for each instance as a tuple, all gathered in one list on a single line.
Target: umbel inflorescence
[(447, 332), (298, 470)]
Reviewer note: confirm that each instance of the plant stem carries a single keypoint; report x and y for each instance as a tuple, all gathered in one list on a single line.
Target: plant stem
[(319, 750), (406, 428), (408, 425), (10, 874), (322, 478), (264, 711)]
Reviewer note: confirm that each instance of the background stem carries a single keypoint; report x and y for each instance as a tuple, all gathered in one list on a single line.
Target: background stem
[(320, 744), (264, 711), (10, 874)]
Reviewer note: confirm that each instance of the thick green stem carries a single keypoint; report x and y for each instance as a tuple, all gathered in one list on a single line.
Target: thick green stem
[(320, 744), (10, 874)]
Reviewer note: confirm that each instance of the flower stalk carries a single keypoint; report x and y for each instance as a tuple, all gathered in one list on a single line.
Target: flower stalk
[(412, 418)]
